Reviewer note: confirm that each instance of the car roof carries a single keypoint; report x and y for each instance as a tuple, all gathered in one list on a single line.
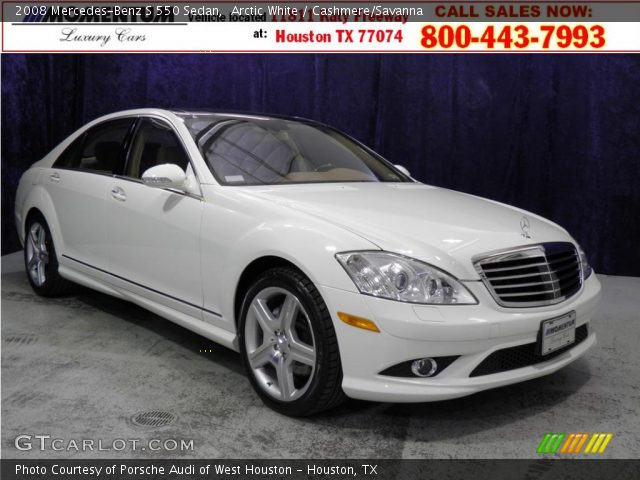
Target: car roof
[(193, 113), (185, 113)]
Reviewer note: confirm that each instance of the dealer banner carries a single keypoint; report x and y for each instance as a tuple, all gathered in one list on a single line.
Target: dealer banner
[(420, 26)]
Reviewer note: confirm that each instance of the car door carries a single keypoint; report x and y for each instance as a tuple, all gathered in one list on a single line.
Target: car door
[(78, 183), (154, 233)]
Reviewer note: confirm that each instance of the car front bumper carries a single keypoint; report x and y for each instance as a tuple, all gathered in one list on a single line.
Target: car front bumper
[(472, 332)]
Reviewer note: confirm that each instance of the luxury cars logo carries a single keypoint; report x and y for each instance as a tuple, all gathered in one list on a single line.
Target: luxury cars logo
[(572, 443), (525, 226)]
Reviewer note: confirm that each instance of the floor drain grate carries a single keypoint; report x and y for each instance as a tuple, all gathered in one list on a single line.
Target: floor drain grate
[(153, 418), (24, 339)]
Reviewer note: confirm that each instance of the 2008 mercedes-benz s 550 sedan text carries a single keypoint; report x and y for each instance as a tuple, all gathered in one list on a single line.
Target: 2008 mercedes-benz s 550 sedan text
[(330, 270)]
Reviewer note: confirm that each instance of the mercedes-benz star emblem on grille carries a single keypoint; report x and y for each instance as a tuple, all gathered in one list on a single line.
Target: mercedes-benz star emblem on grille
[(525, 226)]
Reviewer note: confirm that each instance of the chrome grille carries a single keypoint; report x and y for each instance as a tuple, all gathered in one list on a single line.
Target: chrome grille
[(533, 276)]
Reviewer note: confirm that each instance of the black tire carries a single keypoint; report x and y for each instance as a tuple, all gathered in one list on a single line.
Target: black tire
[(324, 390), (54, 285)]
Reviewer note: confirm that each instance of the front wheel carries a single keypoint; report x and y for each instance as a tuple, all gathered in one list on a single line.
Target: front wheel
[(289, 345)]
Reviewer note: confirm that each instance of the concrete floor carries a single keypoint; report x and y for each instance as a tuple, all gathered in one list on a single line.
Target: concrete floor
[(80, 367)]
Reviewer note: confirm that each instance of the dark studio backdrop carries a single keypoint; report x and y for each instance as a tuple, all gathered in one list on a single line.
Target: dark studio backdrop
[(558, 135)]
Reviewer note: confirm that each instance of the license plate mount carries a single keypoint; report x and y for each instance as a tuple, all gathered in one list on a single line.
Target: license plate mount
[(556, 333)]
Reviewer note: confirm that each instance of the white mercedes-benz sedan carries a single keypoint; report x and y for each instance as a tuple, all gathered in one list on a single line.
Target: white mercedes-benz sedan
[(330, 270)]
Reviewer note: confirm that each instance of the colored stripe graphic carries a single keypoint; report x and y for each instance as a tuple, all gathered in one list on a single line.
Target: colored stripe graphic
[(543, 443), (568, 443), (550, 442), (581, 443), (598, 443), (573, 443)]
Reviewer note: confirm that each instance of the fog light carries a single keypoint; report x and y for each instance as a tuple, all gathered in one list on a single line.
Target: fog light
[(425, 367)]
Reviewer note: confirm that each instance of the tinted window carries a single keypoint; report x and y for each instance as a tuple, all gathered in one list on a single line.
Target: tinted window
[(69, 158), (101, 149), (155, 143), (246, 150)]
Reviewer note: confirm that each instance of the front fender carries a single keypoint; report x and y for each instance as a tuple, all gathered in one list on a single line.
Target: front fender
[(307, 242), (307, 247)]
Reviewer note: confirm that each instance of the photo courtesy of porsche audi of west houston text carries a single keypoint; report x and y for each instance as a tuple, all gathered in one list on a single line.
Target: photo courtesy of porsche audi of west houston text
[(333, 272), (191, 469)]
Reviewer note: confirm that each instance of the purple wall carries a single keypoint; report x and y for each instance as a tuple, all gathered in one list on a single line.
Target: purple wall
[(555, 134)]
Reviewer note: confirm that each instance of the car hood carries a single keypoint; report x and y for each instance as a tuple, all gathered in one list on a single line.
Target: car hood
[(442, 227)]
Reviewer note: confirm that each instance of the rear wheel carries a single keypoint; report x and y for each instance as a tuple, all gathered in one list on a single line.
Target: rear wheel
[(40, 260), (288, 344)]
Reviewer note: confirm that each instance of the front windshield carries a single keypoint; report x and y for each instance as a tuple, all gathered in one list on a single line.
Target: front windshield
[(244, 150)]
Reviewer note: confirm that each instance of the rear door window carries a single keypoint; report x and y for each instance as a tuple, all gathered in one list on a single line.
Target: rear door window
[(101, 149)]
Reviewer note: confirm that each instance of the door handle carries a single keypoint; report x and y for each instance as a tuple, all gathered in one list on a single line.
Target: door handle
[(118, 194), (55, 177)]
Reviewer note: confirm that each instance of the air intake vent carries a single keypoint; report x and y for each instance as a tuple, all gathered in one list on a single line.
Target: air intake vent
[(522, 356), (534, 276)]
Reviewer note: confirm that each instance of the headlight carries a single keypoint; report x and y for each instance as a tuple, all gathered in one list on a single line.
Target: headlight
[(395, 277), (584, 264)]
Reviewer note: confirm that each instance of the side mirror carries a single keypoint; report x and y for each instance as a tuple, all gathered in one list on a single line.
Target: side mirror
[(403, 170), (168, 175)]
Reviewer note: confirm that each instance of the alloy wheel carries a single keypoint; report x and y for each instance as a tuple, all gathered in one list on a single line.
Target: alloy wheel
[(280, 345), (37, 254)]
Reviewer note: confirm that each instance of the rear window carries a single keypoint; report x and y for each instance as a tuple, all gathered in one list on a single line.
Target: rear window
[(100, 149)]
